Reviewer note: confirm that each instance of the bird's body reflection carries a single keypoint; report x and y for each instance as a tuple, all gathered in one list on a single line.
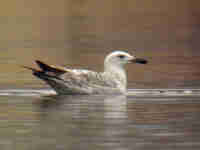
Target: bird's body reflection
[(115, 122), (84, 119)]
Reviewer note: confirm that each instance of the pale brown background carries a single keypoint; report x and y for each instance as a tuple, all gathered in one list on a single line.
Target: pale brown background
[(79, 33)]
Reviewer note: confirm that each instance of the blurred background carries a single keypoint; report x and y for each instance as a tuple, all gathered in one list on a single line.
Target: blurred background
[(79, 33)]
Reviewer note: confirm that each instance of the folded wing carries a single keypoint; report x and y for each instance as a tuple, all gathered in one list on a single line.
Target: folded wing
[(72, 81)]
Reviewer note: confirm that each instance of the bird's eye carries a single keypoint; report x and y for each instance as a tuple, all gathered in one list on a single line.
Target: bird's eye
[(121, 56)]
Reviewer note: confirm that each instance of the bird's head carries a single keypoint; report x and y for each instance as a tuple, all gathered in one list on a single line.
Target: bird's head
[(120, 58)]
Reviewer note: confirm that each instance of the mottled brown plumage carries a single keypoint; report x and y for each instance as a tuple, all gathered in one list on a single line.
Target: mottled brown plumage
[(80, 81)]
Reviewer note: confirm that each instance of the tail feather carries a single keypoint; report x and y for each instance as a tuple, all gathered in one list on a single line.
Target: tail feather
[(32, 69), (35, 72), (48, 68), (40, 74), (46, 72)]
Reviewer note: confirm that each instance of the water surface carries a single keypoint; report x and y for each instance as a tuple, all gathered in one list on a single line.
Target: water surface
[(29, 119)]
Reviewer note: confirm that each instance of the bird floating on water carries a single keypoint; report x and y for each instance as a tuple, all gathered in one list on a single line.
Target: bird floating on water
[(80, 81)]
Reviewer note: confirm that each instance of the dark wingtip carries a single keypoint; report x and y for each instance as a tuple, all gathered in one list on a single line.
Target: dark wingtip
[(49, 68), (38, 62), (43, 66)]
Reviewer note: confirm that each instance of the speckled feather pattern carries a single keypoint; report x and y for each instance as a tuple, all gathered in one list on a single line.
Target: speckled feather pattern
[(80, 81)]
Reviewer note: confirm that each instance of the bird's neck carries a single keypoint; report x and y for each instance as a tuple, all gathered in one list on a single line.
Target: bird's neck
[(118, 73)]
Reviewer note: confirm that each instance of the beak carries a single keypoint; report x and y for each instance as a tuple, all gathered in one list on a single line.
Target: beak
[(139, 61)]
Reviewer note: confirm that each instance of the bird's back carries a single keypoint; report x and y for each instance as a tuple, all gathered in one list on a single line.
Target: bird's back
[(76, 81), (89, 82)]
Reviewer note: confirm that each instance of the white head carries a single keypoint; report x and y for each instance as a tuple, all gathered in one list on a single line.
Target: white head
[(114, 64), (119, 59)]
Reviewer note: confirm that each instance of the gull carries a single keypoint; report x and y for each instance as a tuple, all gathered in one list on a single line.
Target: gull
[(113, 80)]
